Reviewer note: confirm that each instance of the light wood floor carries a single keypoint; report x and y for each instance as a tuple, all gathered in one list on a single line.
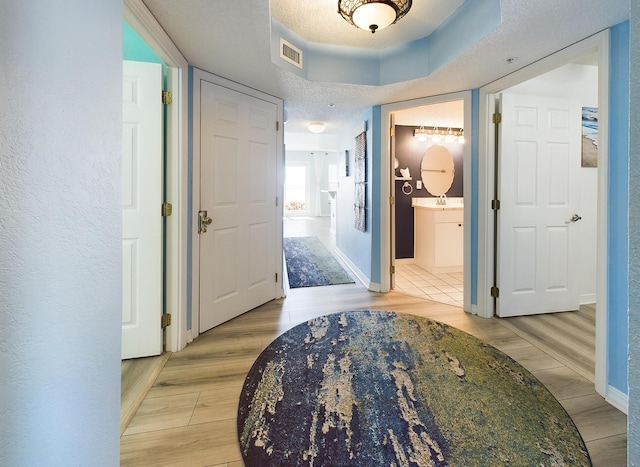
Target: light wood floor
[(188, 416), (568, 337)]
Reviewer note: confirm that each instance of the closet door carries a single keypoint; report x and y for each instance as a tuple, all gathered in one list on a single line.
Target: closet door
[(238, 186), (538, 256)]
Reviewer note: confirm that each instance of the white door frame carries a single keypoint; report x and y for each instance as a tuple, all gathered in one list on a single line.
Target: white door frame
[(600, 43), (199, 75), (144, 23), (387, 182)]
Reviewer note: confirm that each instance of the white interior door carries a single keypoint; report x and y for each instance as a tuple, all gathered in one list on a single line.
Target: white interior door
[(538, 256), (238, 261), (142, 165)]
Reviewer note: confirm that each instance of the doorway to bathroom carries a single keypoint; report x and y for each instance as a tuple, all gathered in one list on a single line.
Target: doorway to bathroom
[(429, 164)]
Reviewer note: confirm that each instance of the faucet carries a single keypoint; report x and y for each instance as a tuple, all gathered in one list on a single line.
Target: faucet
[(442, 200)]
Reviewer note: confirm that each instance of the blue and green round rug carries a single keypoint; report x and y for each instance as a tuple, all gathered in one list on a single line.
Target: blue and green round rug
[(378, 388)]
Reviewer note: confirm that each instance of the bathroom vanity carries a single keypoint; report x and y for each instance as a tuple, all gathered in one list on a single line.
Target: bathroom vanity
[(438, 221), (439, 234)]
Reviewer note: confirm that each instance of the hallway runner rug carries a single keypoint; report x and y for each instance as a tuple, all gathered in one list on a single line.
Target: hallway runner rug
[(379, 388), (310, 264)]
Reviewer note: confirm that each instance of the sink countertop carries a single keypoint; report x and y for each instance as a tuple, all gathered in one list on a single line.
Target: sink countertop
[(431, 203)]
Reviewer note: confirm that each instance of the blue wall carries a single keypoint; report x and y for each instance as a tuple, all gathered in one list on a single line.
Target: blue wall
[(134, 48), (618, 224), (633, 430), (356, 245)]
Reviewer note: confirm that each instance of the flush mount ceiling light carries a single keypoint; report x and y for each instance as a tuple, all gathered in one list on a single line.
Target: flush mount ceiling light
[(316, 127), (373, 15)]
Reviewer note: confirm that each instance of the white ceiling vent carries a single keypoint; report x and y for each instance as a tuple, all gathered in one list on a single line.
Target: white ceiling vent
[(290, 53)]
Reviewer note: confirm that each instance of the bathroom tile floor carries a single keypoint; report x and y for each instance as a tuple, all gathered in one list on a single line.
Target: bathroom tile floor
[(411, 279)]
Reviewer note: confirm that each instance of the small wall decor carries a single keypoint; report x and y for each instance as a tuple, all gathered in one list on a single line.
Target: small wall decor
[(589, 137), (346, 163), (360, 182)]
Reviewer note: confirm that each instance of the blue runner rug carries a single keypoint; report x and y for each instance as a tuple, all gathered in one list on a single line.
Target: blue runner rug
[(310, 264)]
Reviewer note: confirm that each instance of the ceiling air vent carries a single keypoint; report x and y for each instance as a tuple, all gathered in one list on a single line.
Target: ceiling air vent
[(290, 53)]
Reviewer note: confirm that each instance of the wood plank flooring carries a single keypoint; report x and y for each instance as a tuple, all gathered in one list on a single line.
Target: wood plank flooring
[(188, 417), (569, 337), (137, 377)]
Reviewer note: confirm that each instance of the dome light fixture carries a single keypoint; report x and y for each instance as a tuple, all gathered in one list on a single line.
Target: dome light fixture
[(316, 127), (373, 15)]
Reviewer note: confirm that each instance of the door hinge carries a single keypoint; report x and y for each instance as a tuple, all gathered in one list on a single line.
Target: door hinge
[(497, 117), (167, 209), (277, 125), (276, 277), (276, 201), (165, 320), (167, 97), (495, 292), (392, 131), (495, 204), (392, 269), (392, 200)]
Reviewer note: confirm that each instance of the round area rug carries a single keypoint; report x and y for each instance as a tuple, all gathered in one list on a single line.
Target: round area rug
[(377, 388)]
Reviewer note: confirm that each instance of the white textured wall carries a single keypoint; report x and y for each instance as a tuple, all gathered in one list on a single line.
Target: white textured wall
[(633, 434), (60, 228)]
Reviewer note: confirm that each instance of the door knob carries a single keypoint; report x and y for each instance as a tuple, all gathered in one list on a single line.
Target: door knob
[(203, 221), (575, 218)]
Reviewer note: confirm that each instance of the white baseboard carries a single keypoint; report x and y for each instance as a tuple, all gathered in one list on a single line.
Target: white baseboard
[(587, 299), (618, 399), (355, 270)]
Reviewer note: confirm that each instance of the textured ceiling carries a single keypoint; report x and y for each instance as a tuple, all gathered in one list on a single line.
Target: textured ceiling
[(318, 21), (231, 38)]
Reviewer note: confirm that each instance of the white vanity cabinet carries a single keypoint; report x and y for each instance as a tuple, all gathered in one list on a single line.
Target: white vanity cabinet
[(439, 238)]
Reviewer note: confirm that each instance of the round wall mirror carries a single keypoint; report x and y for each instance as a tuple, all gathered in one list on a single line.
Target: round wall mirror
[(437, 170)]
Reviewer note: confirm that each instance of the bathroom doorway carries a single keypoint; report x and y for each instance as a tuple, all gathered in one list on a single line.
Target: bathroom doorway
[(429, 179)]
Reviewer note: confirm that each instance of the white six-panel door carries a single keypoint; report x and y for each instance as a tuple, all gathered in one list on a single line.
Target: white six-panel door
[(238, 158), (539, 158), (142, 163)]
